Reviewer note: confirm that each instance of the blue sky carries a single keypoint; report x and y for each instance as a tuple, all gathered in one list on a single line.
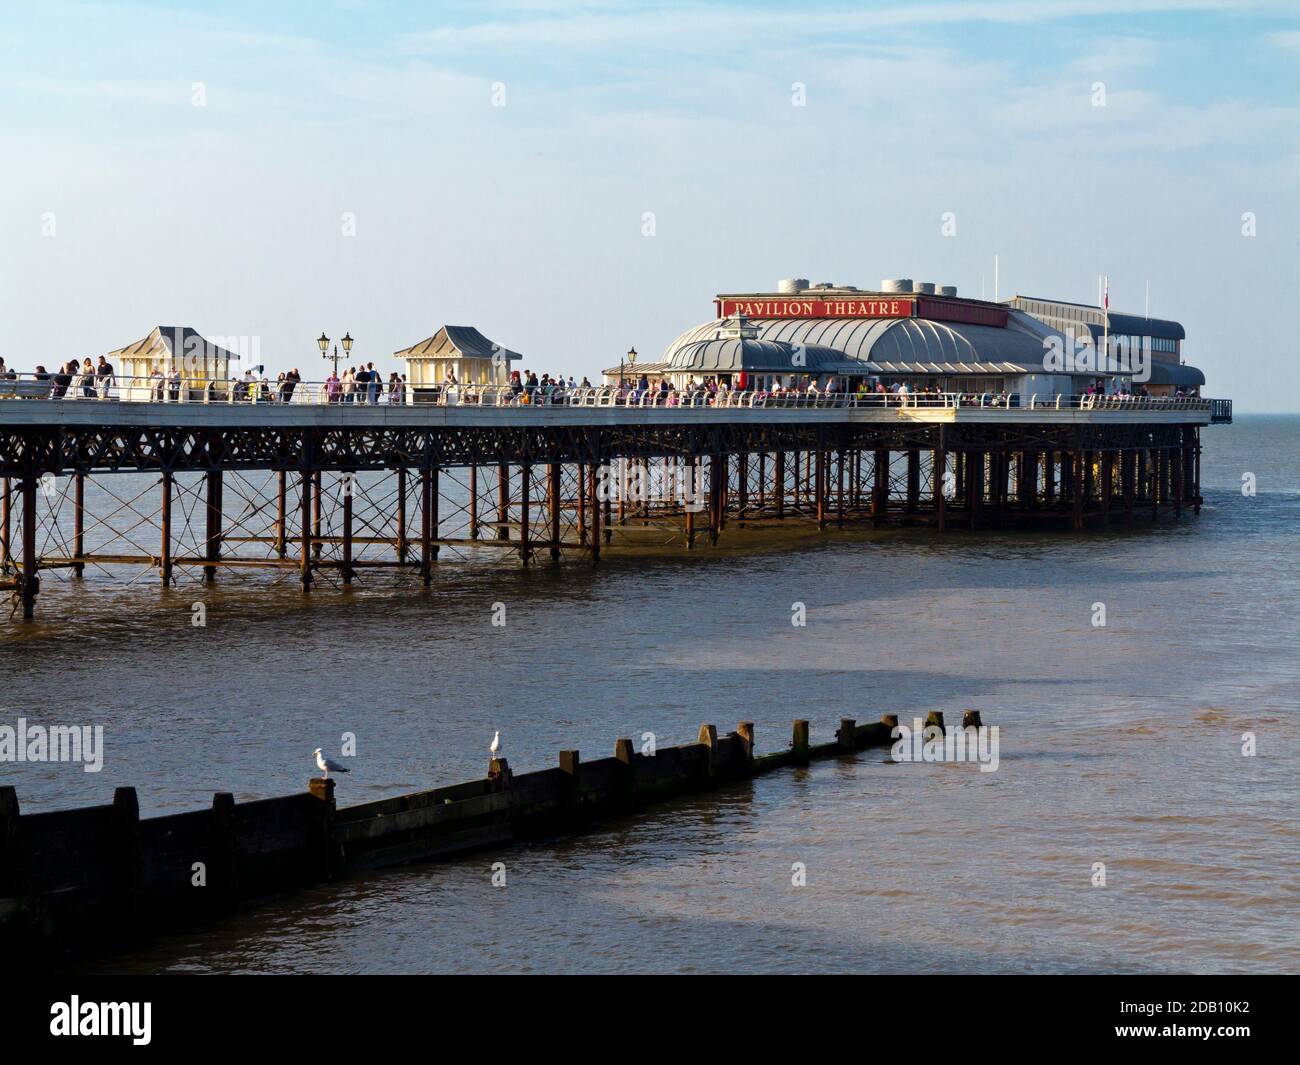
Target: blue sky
[(527, 219)]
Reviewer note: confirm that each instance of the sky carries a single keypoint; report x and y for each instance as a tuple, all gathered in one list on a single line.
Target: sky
[(578, 178)]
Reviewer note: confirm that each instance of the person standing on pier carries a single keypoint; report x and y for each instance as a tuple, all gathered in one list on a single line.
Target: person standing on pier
[(373, 382), (104, 375)]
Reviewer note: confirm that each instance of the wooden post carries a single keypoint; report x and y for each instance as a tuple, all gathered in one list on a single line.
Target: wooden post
[(473, 501), (800, 742), (347, 528), (305, 561), (581, 471), (690, 506), (223, 871), (844, 736), (31, 581), (880, 486), (426, 527), (935, 718), (212, 544), (281, 515), (717, 471), (126, 849), (971, 719), (401, 514), (79, 522), (553, 503), (622, 490), (708, 735), (609, 516), (165, 560), (745, 730), (11, 865), (742, 486), (316, 545), (839, 489), (819, 485), (6, 526), (778, 482), (594, 499), (499, 775)]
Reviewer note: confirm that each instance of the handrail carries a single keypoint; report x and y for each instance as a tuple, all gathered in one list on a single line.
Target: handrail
[(116, 388)]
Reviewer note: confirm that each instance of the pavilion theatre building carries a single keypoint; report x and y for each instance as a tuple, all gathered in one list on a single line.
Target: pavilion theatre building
[(922, 335)]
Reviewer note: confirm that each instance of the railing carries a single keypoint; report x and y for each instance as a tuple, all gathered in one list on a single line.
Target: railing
[(1220, 412), (112, 388)]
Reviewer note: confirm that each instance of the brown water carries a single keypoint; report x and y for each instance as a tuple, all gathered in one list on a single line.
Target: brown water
[(1119, 744)]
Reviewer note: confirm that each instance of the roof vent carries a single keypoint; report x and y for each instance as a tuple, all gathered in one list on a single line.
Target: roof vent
[(896, 284), (948, 290), (791, 285), (924, 287)]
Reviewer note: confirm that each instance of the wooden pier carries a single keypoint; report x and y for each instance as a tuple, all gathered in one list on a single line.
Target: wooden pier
[(344, 491)]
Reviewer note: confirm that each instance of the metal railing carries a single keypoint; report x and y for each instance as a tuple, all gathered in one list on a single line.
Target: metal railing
[(114, 388)]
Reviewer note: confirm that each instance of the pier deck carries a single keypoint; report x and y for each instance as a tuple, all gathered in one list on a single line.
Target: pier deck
[(556, 479)]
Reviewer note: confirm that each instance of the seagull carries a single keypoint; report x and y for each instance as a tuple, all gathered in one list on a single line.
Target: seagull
[(496, 743), (326, 764)]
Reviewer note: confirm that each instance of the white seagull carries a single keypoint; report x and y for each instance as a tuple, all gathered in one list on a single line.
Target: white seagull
[(326, 764), (496, 743)]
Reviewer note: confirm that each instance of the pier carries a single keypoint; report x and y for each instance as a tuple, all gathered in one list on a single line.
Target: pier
[(319, 490)]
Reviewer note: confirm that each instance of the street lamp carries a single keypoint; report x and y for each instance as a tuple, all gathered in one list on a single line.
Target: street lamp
[(323, 342), (631, 358)]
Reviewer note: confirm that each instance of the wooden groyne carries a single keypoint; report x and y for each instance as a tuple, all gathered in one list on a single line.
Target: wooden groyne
[(103, 878)]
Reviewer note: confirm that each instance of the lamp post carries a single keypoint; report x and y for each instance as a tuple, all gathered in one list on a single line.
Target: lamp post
[(324, 343), (631, 358)]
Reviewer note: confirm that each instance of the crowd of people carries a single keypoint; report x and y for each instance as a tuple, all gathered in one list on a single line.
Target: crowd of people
[(366, 384)]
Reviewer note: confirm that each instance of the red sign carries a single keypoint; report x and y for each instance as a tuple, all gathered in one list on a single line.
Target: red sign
[(839, 307)]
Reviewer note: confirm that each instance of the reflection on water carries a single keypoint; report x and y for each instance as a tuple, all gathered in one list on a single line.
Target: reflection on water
[(1119, 745)]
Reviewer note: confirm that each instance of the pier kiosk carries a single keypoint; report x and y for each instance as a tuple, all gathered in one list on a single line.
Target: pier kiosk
[(165, 349), (461, 350)]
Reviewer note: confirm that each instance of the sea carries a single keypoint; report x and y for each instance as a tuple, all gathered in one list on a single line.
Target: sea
[(1142, 817)]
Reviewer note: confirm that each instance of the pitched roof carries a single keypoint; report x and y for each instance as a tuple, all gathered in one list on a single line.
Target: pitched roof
[(168, 341), (457, 341)]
